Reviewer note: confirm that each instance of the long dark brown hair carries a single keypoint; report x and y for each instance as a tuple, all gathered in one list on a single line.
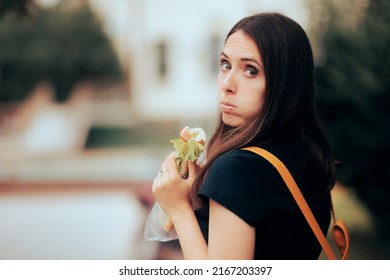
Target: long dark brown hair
[(289, 98)]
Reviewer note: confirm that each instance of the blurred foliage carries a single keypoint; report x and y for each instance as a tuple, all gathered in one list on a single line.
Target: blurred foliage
[(153, 134), (22, 7), (60, 44), (354, 99)]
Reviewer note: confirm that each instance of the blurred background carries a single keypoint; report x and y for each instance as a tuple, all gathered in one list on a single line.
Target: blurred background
[(91, 91)]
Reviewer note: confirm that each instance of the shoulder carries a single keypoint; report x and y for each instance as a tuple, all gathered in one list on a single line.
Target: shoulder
[(242, 182), (238, 160), (240, 171)]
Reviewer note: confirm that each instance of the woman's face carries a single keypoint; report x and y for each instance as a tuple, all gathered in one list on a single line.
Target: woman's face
[(241, 80)]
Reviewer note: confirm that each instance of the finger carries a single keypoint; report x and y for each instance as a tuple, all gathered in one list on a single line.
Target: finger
[(192, 168), (155, 184), (164, 163), (192, 171), (170, 164)]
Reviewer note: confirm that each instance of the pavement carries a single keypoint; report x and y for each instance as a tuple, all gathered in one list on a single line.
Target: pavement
[(83, 205)]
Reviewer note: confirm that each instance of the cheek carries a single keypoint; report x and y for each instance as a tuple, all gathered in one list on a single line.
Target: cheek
[(254, 108), (255, 101), (261, 95)]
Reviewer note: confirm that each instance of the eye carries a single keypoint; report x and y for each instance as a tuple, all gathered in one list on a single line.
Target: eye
[(251, 72), (224, 65)]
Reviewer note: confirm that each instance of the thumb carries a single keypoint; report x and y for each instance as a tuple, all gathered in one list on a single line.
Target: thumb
[(192, 167), (192, 170)]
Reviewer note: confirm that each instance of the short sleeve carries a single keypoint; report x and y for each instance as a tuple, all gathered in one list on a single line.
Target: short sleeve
[(242, 182)]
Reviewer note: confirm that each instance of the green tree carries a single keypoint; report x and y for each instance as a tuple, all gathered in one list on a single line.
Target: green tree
[(354, 99), (22, 7), (61, 45)]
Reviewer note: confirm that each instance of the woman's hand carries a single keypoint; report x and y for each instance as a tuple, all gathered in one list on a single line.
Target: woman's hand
[(170, 190)]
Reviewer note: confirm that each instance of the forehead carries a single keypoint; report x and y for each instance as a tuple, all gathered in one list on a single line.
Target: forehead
[(240, 43)]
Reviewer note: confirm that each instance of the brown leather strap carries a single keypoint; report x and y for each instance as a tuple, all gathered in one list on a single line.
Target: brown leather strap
[(290, 182)]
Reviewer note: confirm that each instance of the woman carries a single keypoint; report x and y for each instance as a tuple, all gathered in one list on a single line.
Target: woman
[(243, 208)]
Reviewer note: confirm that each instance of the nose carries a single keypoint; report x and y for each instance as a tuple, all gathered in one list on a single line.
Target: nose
[(228, 83)]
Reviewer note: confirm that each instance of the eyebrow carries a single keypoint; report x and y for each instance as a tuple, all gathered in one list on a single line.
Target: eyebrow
[(244, 59)]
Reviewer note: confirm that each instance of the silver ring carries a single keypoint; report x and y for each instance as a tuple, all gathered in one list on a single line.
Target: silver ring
[(162, 171)]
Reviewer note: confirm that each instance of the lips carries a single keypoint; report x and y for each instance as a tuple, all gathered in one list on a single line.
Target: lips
[(227, 107)]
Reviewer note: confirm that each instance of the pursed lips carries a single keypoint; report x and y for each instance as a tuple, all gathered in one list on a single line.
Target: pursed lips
[(227, 107)]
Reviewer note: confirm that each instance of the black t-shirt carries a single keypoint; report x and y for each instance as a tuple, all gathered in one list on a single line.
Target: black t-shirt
[(249, 186)]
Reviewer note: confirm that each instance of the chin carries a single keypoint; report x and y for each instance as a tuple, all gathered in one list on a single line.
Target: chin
[(231, 121)]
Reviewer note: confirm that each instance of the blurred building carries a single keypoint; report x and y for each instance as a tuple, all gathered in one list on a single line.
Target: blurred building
[(171, 48), (169, 51)]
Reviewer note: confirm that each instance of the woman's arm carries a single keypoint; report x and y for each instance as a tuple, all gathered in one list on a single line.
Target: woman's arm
[(229, 236), (172, 193), (191, 239)]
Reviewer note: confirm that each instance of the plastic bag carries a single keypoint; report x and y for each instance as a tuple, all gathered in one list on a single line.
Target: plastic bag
[(188, 147), (154, 227)]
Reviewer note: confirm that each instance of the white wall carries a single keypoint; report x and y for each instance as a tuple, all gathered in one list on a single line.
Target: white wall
[(189, 90), (186, 27)]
